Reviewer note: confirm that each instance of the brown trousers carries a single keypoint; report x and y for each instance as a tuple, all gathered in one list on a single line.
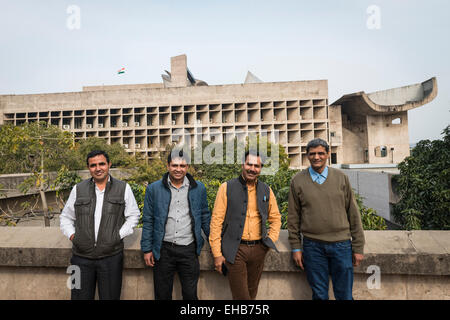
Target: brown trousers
[(245, 273)]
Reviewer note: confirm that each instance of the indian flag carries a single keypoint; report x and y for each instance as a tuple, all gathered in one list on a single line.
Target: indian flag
[(121, 71)]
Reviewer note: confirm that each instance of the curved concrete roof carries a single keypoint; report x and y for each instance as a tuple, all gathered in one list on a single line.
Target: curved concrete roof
[(391, 100)]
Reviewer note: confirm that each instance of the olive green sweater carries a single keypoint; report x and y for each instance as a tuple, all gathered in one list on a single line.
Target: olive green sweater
[(326, 212)]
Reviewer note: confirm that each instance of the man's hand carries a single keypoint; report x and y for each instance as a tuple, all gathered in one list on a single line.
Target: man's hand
[(149, 259), (357, 258), (218, 261), (298, 259), (71, 237)]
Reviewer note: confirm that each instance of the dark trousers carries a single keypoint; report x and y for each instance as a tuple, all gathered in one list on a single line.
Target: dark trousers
[(323, 260), (180, 259), (244, 274), (107, 272)]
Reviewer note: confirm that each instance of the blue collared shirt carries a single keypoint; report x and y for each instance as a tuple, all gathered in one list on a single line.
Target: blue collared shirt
[(319, 178)]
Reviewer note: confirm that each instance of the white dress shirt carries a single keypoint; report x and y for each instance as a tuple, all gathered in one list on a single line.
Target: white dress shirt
[(131, 213)]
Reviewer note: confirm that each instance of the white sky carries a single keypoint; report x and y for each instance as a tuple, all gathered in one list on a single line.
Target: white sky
[(223, 39)]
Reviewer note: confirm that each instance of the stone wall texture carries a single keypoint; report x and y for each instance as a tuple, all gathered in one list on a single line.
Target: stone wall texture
[(412, 265)]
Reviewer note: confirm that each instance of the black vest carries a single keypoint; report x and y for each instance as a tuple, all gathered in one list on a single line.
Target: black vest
[(233, 225), (108, 238)]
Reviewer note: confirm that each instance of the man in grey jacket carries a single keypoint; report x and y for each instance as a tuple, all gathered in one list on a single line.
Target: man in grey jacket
[(99, 213)]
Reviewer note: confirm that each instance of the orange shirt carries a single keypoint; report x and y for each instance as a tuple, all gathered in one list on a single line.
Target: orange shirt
[(252, 226)]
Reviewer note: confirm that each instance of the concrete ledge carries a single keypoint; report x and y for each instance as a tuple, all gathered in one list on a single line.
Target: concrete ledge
[(413, 265), (395, 252)]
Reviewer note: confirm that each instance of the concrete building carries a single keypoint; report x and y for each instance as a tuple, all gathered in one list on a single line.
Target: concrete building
[(373, 128), (144, 118)]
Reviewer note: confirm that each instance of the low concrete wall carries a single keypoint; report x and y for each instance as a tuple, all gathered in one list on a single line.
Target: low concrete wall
[(413, 265)]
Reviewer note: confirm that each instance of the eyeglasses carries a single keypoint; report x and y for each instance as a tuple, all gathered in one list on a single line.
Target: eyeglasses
[(313, 154)]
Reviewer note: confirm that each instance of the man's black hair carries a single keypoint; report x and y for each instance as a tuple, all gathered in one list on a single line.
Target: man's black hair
[(95, 153), (253, 153), (177, 154), (317, 143)]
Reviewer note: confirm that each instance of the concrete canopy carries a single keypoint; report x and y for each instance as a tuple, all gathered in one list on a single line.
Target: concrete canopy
[(389, 101)]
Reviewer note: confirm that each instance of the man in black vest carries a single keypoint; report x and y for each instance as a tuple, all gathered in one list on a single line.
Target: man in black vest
[(239, 238), (99, 213)]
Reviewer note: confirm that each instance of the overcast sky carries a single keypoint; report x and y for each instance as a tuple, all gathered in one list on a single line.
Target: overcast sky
[(356, 45)]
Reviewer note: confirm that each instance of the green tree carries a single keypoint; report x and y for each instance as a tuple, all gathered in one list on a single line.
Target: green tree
[(279, 177), (39, 148), (213, 175), (424, 186), (35, 148), (64, 182), (139, 194), (5, 218), (23, 147), (117, 154), (146, 172), (369, 218), (222, 170)]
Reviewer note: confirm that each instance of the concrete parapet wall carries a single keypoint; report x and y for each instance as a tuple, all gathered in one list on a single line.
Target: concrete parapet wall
[(277, 91), (412, 265)]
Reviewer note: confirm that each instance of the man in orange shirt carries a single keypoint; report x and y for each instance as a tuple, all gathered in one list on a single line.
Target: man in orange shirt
[(239, 237)]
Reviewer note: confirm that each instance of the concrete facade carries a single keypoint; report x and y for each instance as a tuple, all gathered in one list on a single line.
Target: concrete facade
[(375, 125), (376, 190), (145, 118), (412, 265)]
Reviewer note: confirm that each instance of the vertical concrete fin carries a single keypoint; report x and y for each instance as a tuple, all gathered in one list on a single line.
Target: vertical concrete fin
[(178, 69)]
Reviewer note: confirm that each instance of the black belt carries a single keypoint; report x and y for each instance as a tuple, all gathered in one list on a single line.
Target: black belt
[(251, 242), (173, 244)]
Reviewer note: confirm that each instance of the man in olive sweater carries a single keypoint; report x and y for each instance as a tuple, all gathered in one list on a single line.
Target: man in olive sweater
[(323, 211)]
